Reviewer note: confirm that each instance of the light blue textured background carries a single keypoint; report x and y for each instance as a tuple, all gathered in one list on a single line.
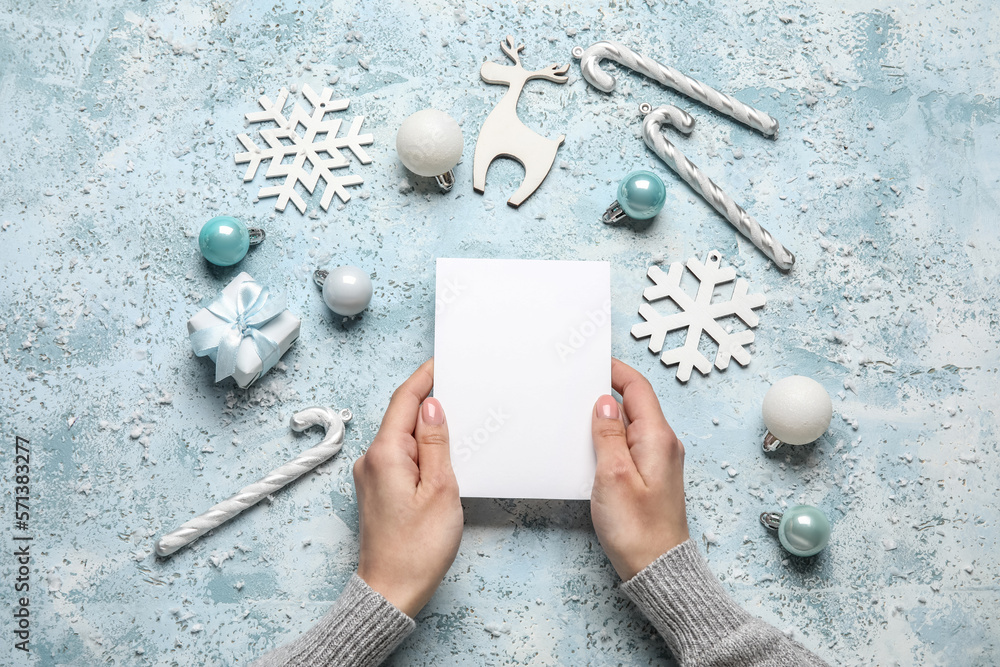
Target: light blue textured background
[(117, 142)]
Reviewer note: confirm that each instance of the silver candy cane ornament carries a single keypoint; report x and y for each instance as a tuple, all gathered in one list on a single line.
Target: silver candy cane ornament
[(590, 61), (744, 222), (332, 422)]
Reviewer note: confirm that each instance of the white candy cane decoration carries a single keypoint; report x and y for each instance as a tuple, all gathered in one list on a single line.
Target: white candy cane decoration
[(332, 422), (744, 222), (590, 60)]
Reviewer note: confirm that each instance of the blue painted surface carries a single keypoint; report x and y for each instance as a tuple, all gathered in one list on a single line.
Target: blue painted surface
[(118, 141)]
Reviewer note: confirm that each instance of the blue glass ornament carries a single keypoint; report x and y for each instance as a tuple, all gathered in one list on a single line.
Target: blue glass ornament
[(641, 195), (224, 240), (803, 530)]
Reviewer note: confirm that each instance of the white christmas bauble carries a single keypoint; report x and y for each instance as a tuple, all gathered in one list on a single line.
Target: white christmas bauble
[(347, 290), (797, 410), (429, 143)]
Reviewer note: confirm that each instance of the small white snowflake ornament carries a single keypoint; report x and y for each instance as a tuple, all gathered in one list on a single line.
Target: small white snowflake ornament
[(698, 315), (288, 151)]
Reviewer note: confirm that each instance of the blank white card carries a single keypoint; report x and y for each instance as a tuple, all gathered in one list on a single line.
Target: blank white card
[(522, 350)]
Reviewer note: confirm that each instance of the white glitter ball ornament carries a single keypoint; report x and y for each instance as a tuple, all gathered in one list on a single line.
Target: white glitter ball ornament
[(797, 411), (429, 143)]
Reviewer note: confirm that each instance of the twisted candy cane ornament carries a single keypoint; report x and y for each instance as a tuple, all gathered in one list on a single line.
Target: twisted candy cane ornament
[(331, 421), (590, 60), (744, 222)]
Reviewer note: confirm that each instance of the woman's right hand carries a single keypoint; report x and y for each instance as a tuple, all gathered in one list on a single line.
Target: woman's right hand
[(637, 504), (409, 512)]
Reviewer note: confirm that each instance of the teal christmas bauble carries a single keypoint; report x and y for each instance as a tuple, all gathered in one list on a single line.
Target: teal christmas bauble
[(641, 195), (804, 530), (224, 240)]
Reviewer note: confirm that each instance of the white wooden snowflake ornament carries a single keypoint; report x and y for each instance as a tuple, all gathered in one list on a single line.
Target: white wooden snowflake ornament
[(288, 151), (698, 315)]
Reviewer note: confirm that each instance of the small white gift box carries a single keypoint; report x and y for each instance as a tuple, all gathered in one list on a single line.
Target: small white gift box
[(245, 330)]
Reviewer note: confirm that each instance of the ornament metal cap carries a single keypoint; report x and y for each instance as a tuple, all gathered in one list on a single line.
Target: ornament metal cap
[(614, 214), (257, 235), (771, 443), (446, 181)]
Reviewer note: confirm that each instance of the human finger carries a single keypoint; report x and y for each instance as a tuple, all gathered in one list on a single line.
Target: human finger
[(608, 431), (433, 453), (401, 415), (638, 398)]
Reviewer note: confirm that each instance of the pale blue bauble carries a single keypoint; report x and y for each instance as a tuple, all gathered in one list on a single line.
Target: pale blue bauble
[(641, 195), (804, 530), (224, 240), (347, 290)]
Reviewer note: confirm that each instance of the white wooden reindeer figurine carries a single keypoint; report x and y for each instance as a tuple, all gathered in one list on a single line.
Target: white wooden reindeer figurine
[(503, 133)]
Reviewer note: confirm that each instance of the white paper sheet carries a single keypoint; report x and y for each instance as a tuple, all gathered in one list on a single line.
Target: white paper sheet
[(522, 350)]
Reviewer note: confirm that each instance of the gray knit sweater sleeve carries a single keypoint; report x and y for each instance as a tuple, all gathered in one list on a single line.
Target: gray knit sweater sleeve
[(701, 624), (361, 630)]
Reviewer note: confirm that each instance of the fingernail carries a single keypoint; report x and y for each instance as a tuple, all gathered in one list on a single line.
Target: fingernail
[(607, 407), (433, 414)]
